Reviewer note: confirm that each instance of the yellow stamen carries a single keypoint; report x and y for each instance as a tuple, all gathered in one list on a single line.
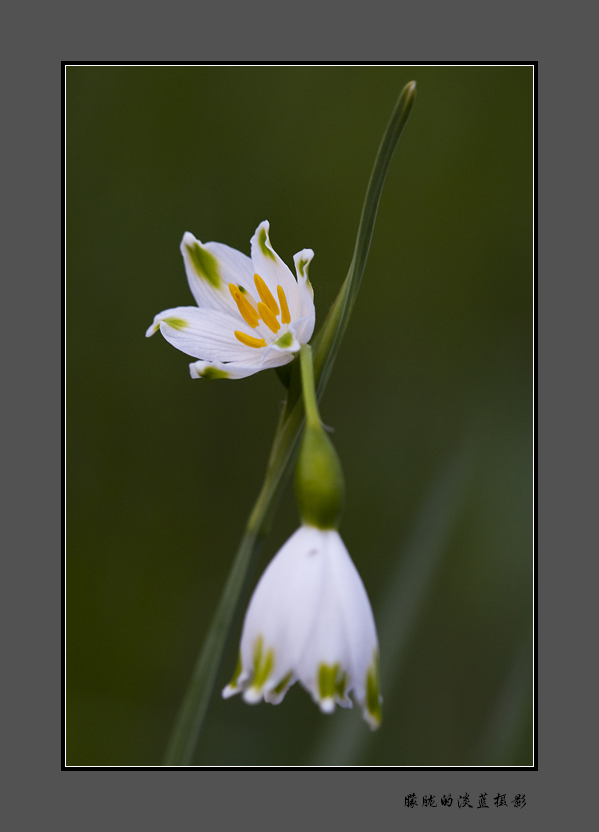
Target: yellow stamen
[(249, 315), (285, 316), (268, 318), (266, 294), (248, 340), (248, 296)]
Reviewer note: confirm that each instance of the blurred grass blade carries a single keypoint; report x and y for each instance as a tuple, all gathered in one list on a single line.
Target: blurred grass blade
[(347, 737), (510, 715), (189, 721)]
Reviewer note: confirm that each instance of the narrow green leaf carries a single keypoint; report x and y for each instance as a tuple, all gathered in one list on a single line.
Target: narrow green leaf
[(328, 340), (511, 712)]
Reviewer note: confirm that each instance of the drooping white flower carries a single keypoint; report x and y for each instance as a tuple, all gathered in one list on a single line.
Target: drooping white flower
[(309, 620), (251, 312)]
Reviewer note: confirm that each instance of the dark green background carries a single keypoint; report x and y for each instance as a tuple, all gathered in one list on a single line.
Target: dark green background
[(435, 371)]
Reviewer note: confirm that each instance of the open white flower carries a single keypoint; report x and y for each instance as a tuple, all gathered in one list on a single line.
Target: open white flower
[(251, 312), (310, 620)]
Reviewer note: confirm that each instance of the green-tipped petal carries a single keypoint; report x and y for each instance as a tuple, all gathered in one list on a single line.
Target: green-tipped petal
[(372, 705), (204, 263), (302, 262), (262, 667), (276, 694), (178, 319), (237, 680), (267, 263), (202, 333), (210, 268)]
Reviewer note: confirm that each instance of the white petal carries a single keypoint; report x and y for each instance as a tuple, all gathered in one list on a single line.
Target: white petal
[(180, 317), (222, 369), (202, 333), (253, 361), (361, 631), (328, 645), (284, 604), (355, 611), (273, 271), (210, 267), (302, 261), (303, 329)]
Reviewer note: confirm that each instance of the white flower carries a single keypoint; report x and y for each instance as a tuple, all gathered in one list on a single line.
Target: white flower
[(251, 313), (310, 620)]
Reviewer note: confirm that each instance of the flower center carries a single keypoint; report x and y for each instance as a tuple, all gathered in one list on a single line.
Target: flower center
[(266, 309)]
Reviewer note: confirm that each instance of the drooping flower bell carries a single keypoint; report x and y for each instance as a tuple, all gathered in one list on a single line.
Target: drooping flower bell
[(251, 314), (309, 619)]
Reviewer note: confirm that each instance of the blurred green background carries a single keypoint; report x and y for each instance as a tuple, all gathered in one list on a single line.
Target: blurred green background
[(430, 399)]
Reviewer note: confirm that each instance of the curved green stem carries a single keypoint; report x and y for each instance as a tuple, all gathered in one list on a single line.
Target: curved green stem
[(189, 721), (308, 387)]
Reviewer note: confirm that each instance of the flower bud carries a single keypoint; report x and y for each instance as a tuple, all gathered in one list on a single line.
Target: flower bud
[(319, 485)]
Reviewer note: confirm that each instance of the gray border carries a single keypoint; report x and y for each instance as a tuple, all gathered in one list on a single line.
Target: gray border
[(378, 793)]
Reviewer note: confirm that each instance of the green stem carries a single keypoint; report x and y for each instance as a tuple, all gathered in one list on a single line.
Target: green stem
[(189, 721), (308, 387)]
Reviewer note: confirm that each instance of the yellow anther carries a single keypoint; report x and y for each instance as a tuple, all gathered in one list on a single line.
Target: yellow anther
[(285, 316), (266, 295), (249, 341), (249, 315), (248, 296), (268, 318), (233, 289)]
